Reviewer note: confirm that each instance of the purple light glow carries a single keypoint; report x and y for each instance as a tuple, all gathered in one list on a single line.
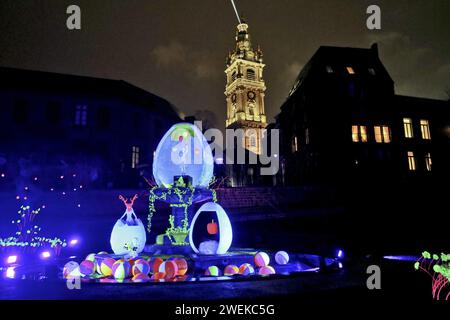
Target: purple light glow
[(2, 175), (11, 259), (73, 242), (45, 255), (401, 258), (340, 254)]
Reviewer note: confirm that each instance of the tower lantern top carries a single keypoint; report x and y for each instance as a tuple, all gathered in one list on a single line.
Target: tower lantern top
[(244, 49)]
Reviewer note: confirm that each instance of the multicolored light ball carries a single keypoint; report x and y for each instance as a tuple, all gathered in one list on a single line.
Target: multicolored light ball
[(106, 266), (140, 266), (182, 266), (282, 257), (212, 271), (121, 269), (246, 269), (87, 268), (266, 270), (155, 263), (262, 259), (170, 268), (140, 277), (90, 257), (71, 270), (231, 270)]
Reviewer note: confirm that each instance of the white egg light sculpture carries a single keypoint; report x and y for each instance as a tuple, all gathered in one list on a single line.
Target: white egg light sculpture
[(183, 151), (211, 229)]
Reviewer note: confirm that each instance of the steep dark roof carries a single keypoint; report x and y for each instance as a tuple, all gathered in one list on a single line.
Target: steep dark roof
[(338, 58), (64, 83)]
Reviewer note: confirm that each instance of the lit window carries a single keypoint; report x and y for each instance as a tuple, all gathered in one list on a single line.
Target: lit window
[(425, 128), (294, 144), (411, 161), (428, 161), (359, 133), (382, 134), (372, 71), (233, 76), (329, 69), (135, 157), (81, 116), (407, 126), (350, 70)]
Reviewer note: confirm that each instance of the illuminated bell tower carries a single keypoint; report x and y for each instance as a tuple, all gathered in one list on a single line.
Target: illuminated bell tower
[(245, 90)]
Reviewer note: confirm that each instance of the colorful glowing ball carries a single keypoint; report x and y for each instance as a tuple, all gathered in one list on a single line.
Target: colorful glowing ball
[(71, 270), (266, 270), (231, 270), (90, 257), (158, 276), (170, 268), (121, 269), (282, 257), (155, 263), (87, 268), (140, 277), (246, 269), (106, 266), (212, 271), (182, 266), (262, 259), (140, 266)]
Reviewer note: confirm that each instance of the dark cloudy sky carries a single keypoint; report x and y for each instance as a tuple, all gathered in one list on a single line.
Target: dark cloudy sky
[(177, 48)]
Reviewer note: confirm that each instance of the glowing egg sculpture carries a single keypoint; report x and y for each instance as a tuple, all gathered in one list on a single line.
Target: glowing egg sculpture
[(183, 151), (201, 240), (128, 235)]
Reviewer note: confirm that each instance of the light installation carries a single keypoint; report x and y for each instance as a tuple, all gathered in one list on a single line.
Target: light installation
[(183, 151), (128, 235)]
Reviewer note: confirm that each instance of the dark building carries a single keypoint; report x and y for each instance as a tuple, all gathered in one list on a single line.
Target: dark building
[(104, 130), (342, 123), (383, 158)]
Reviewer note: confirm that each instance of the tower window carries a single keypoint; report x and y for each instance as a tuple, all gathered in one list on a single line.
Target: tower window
[(307, 136), (81, 115), (20, 112), (233, 76), (253, 141), (428, 161), (251, 75), (329, 69), (359, 133), (135, 157), (294, 144), (104, 117), (411, 161), (425, 129), (350, 70), (382, 134), (408, 128)]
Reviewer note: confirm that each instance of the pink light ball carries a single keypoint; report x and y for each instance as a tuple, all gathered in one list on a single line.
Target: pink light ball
[(140, 266), (246, 269), (140, 277), (212, 271), (231, 270), (87, 268), (121, 269), (262, 259), (282, 257), (170, 268), (106, 266), (266, 270)]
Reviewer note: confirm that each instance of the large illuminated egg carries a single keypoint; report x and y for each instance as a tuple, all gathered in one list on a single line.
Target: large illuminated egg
[(183, 151), (201, 239)]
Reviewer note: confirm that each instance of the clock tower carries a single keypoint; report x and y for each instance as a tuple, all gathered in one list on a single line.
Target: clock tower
[(245, 90)]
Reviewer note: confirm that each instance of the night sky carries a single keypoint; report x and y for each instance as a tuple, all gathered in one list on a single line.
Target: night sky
[(177, 48)]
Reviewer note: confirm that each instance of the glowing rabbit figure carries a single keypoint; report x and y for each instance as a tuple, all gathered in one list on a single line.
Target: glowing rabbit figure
[(128, 230)]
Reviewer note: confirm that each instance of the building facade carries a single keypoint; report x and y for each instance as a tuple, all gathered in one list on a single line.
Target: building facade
[(104, 130), (245, 90), (342, 124)]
